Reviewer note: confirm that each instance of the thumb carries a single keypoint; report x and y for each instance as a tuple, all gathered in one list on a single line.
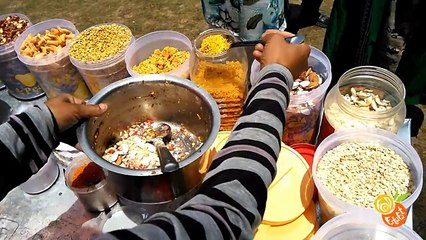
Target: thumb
[(87, 111)]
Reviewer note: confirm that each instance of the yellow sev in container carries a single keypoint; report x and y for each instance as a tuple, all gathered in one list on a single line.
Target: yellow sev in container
[(162, 61), (214, 44), (226, 83)]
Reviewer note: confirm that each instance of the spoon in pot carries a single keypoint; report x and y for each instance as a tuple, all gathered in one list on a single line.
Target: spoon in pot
[(163, 134), (297, 39)]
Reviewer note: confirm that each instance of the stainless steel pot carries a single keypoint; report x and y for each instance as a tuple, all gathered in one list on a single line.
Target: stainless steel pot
[(160, 98)]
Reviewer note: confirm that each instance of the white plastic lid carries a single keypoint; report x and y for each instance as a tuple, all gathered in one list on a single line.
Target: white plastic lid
[(361, 226)]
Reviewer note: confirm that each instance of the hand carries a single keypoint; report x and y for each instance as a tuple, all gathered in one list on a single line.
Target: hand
[(276, 50), (68, 110)]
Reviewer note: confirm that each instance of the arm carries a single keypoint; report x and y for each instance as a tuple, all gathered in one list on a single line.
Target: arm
[(27, 139), (26, 142), (232, 199)]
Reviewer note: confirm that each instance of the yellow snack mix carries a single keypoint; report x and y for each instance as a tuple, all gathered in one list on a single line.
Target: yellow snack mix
[(214, 44), (162, 61), (100, 42)]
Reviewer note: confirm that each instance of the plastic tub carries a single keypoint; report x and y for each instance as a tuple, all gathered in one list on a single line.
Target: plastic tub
[(362, 226), (98, 75), (94, 198), (20, 82), (54, 72), (332, 206), (303, 112), (144, 46)]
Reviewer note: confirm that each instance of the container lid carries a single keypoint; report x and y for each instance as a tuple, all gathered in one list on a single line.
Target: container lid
[(362, 226), (298, 229), (123, 218), (306, 150), (291, 192)]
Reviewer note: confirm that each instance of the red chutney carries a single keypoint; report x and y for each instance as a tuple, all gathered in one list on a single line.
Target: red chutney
[(87, 175)]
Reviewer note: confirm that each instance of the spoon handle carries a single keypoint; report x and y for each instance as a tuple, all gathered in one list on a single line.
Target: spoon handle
[(298, 39)]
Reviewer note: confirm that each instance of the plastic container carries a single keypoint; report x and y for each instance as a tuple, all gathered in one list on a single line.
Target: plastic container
[(19, 81), (94, 198), (145, 46), (332, 206), (362, 226), (303, 112), (98, 75), (223, 76), (54, 72), (340, 114)]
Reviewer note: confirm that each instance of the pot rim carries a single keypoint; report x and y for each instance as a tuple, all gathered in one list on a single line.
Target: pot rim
[(83, 137)]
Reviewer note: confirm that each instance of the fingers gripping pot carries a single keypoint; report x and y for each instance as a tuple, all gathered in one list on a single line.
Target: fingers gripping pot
[(162, 98)]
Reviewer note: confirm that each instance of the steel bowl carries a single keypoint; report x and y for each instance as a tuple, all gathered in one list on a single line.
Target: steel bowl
[(160, 98)]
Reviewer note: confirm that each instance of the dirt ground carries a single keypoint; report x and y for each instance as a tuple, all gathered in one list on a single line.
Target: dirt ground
[(184, 16)]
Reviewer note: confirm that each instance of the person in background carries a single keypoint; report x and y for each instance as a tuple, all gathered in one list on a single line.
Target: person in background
[(248, 19), (232, 198), (308, 15), (385, 33)]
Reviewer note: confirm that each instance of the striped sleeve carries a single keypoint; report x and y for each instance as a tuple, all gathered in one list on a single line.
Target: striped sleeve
[(232, 199), (26, 142)]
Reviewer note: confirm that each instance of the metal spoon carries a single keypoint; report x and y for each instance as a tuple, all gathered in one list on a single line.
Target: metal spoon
[(298, 39), (163, 134)]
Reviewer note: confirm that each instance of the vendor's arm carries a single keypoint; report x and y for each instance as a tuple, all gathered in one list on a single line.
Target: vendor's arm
[(27, 139), (232, 199)]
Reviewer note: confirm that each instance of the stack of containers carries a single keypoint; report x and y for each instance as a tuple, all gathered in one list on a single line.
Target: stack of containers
[(20, 82), (145, 46), (290, 211), (304, 111), (98, 53), (54, 71)]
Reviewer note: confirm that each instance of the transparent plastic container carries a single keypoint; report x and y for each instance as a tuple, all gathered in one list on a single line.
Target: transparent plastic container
[(19, 81), (362, 227), (330, 205), (303, 112), (98, 197), (54, 72), (223, 75), (98, 75), (340, 114), (145, 46)]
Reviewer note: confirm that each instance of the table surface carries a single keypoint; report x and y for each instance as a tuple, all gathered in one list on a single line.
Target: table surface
[(56, 213)]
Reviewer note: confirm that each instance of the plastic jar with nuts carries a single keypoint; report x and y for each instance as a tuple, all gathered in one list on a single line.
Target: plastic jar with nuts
[(365, 96), (44, 49), (19, 81), (306, 100)]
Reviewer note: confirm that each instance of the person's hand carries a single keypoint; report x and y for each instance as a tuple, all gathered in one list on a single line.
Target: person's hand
[(276, 50), (68, 110)]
